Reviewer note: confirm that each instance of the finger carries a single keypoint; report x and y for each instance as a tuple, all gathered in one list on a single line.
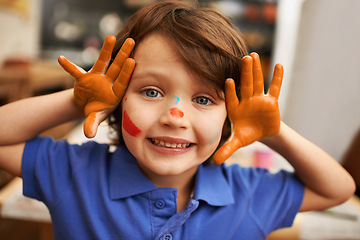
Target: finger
[(90, 125), (94, 119), (275, 85), (123, 79), (226, 151), (258, 75), (231, 98), (246, 78), (120, 58), (70, 67), (105, 55)]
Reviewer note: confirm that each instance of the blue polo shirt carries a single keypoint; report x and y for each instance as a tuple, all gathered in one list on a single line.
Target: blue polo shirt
[(93, 193)]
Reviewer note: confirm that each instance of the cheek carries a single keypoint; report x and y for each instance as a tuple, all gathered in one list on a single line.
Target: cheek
[(211, 129), (212, 125), (129, 126), (136, 118)]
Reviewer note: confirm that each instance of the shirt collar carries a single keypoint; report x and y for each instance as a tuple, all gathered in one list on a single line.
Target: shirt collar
[(126, 180), (212, 187)]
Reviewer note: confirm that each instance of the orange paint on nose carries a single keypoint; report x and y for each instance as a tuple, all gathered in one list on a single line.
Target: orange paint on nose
[(175, 112), (129, 126)]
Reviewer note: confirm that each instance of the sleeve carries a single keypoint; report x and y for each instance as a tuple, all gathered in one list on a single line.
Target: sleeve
[(276, 199), (48, 167)]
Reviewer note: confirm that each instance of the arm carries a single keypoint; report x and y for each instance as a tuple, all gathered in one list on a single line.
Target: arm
[(257, 116), (96, 93), (23, 120), (326, 182)]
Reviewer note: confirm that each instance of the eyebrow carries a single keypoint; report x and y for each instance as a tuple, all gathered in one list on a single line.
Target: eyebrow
[(150, 74)]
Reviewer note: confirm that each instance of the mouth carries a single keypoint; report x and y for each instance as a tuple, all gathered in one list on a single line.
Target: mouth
[(170, 145), (166, 144)]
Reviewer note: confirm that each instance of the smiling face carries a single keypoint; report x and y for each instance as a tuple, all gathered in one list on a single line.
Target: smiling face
[(172, 122)]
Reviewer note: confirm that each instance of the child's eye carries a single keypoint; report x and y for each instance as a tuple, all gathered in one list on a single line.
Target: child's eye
[(152, 93), (203, 100)]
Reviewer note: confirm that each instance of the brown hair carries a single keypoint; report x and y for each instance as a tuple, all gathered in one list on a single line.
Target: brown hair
[(206, 41)]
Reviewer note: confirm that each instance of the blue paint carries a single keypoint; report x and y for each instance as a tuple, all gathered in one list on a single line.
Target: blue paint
[(177, 99)]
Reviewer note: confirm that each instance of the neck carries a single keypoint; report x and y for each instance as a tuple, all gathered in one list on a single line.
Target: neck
[(184, 184)]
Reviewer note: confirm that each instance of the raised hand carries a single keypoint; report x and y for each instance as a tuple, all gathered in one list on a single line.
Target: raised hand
[(100, 90), (257, 114)]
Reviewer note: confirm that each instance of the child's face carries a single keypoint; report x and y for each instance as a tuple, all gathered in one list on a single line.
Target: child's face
[(172, 122)]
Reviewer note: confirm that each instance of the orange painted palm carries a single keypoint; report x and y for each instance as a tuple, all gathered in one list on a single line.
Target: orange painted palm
[(257, 114), (100, 90)]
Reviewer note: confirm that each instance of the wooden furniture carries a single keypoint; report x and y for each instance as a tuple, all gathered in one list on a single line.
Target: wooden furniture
[(20, 79)]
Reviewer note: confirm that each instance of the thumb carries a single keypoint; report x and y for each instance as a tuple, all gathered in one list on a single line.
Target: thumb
[(91, 125), (71, 68), (225, 151), (94, 119)]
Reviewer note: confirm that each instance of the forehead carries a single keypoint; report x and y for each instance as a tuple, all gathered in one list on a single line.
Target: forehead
[(158, 54), (156, 47)]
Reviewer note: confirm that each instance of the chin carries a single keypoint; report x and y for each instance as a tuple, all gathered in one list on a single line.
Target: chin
[(168, 167)]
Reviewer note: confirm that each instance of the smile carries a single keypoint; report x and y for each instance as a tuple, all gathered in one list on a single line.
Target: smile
[(161, 143)]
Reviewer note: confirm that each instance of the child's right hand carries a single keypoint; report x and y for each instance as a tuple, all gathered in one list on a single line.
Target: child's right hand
[(101, 89)]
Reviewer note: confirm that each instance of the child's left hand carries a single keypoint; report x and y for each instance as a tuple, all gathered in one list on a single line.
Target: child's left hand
[(257, 114)]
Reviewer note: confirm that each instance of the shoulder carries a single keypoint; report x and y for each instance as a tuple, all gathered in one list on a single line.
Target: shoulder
[(252, 177), (259, 183), (44, 154), (49, 146)]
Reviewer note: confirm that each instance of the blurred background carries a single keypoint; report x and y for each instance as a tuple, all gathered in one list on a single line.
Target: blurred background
[(317, 41)]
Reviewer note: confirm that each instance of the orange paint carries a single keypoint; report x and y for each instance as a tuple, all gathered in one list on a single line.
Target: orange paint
[(129, 126), (175, 112), (255, 115), (102, 87)]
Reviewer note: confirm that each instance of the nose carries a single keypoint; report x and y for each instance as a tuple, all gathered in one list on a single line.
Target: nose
[(174, 117), (176, 112)]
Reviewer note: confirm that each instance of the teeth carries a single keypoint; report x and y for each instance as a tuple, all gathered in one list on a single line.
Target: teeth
[(169, 145)]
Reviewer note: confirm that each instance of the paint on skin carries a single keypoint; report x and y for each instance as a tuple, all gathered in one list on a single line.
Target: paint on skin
[(129, 126), (175, 112), (177, 99)]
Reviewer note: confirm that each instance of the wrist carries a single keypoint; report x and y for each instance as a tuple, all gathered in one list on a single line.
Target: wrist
[(270, 141)]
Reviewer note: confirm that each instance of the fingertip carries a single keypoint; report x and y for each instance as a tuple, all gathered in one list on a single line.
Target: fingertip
[(229, 85), (279, 66), (90, 126), (130, 62), (61, 58), (247, 58), (89, 132), (279, 69), (110, 38), (247, 61), (130, 41), (217, 159), (229, 81), (254, 55), (222, 154)]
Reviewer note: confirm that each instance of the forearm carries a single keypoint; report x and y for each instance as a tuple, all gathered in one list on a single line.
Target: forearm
[(315, 168), (25, 119)]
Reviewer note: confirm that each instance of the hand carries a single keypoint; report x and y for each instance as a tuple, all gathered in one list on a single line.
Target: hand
[(256, 115), (100, 90)]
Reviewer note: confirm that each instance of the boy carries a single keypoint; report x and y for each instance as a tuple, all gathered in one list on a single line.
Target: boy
[(169, 111)]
